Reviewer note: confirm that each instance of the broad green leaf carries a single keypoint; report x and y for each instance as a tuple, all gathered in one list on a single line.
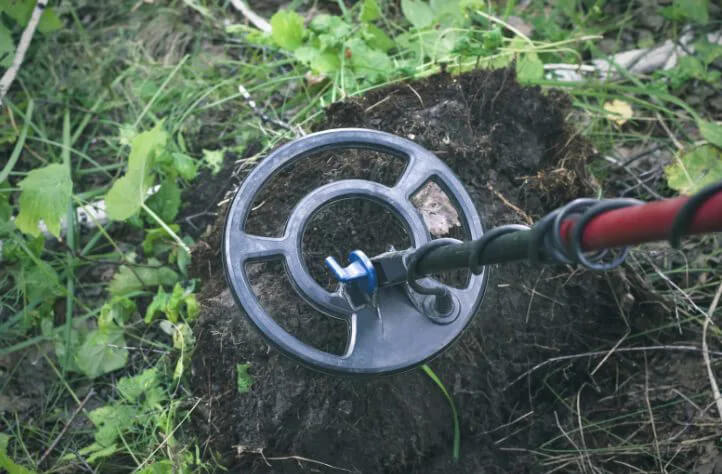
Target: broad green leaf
[(707, 52), (180, 303), (128, 193), (161, 467), (287, 29), (116, 311), (127, 280), (332, 29), (22, 10), (167, 200), (49, 21), (111, 421), (244, 381), (377, 38), (159, 304), (39, 282), (146, 383), (7, 464), (158, 241), (45, 196), (186, 166), (417, 12), (367, 62), (7, 47), (181, 298), (369, 11), (529, 68), (214, 159), (326, 62), (695, 10), (695, 170), (711, 132), (102, 351)]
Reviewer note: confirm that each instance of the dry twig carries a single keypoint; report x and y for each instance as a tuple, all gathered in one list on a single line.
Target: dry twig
[(255, 19), (7, 80), (65, 428), (705, 351)]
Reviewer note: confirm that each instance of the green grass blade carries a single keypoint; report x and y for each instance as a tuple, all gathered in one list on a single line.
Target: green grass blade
[(457, 432)]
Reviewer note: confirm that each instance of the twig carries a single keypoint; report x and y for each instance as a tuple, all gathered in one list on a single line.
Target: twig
[(603, 353), (651, 416), (255, 19), (263, 116), (705, 351), (301, 458), (7, 80), (669, 132), (510, 205), (65, 428)]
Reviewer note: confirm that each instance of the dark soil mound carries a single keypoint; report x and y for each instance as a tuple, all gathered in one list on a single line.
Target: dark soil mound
[(511, 148)]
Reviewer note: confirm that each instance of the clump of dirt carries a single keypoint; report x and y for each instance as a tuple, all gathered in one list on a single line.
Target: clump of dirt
[(507, 144)]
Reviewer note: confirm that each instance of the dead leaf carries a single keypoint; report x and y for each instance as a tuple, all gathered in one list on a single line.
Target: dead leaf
[(438, 212), (618, 111)]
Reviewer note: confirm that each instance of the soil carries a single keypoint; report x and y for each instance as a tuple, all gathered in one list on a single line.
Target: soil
[(514, 153)]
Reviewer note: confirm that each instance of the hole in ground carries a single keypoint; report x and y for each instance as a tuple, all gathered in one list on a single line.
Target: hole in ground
[(276, 199), (278, 298), (346, 225)]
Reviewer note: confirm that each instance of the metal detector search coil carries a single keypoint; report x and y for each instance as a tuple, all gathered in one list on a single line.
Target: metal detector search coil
[(396, 328)]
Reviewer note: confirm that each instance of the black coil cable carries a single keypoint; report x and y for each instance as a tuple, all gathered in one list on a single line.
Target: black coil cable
[(546, 244)]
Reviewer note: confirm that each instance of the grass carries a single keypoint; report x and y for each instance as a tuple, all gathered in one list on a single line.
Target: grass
[(89, 88)]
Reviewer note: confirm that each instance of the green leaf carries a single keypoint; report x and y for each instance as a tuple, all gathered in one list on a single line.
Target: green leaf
[(370, 11), (185, 166), (45, 196), (287, 29), (182, 337), (161, 467), (111, 421), (116, 311), (326, 62), (128, 193), (529, 68), (367, 62), (707, 52), (146, 383), (167, 200), (39, 282), (376, 38), (695, 10), (7, 47), (22, 10), (214, 159), (159, 304), (695, 170), (127, 280), (7, 464), (244, 381), (711, 132), (158, 241), (102, 351), (49, 21), (417, 12), (180, 303)]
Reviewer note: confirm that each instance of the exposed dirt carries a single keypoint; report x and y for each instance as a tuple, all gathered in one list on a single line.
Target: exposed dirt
[(503, 141)]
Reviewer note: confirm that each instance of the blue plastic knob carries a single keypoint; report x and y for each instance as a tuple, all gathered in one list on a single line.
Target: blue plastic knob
[(359, 274)]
